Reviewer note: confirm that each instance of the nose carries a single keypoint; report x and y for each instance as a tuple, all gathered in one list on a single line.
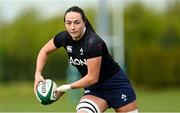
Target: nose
[(72, 26)]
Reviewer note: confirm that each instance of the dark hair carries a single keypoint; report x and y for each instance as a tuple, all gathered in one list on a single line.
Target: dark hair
[(81, 12)]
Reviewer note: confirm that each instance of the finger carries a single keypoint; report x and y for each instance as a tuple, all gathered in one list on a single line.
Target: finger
[(58, 89), (35, 85), (58, 94)]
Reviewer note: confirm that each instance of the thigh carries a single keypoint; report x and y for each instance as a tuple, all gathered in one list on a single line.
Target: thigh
[(117, 98), (127, 108), (102, 104)]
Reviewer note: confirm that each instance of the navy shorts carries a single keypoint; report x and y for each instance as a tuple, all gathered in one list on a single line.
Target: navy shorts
[(117, 90)]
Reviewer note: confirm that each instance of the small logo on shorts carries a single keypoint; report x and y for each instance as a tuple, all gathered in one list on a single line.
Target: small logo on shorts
[(124, 97), (86, 91)]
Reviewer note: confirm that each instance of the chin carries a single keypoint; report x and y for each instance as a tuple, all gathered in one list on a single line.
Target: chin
[(74, 37)]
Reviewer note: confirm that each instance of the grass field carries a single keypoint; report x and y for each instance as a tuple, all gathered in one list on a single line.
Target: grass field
[(20, 98)]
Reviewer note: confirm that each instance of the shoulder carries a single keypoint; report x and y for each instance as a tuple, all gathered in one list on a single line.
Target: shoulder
[(60, 39), (61, 34), (95, 45), (94, 38)]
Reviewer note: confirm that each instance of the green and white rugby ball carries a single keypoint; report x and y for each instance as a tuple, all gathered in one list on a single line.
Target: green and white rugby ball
[(45, 92)]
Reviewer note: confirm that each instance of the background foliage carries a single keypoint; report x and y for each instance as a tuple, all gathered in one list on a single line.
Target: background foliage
[(152, 45)]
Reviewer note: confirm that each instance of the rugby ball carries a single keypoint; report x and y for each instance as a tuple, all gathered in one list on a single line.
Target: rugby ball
[(45, 92)]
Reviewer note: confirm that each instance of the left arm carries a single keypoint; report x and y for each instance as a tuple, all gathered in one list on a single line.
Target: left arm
[(92, 76), (93, 65)]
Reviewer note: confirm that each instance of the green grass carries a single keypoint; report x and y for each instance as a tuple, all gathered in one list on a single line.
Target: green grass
[(166, 100), (19, 97)]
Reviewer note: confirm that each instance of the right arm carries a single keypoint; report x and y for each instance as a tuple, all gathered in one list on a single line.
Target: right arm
[(41, 60)]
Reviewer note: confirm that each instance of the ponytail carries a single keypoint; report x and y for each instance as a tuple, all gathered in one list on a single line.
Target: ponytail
[(88, 25)]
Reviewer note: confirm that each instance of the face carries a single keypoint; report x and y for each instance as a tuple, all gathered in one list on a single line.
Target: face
[(74, 25)]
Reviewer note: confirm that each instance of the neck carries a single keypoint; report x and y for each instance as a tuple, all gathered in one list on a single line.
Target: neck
[(84, 30)]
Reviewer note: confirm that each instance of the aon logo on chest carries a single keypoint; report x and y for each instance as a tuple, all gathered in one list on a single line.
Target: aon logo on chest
[(78, 61)]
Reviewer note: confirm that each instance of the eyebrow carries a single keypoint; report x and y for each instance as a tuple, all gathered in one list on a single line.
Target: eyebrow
[(73, 20)]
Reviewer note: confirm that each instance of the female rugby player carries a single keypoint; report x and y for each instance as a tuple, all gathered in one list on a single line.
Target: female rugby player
[(105, 83)]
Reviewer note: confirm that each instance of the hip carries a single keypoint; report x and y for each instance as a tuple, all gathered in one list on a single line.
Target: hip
[(116, 81)]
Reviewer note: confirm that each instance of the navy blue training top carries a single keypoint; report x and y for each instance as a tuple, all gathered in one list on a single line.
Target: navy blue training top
[(89, 46)]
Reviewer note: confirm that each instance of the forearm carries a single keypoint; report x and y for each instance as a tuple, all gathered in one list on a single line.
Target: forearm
[(84, 82), (41, 60), (43, 54)]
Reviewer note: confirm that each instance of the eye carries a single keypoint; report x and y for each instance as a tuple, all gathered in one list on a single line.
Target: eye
[(68, 23), (77, 22)]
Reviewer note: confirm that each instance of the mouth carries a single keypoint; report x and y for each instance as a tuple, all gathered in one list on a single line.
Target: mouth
[(73, 31)]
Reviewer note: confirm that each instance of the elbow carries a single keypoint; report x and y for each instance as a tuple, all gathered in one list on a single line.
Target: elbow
[(93, 81)]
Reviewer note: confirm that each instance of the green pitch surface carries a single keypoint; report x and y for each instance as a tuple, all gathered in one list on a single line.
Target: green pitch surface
[(19, 97)]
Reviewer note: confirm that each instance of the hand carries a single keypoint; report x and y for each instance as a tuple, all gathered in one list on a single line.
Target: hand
[(38, 78), (58, 94), (64, 88)]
